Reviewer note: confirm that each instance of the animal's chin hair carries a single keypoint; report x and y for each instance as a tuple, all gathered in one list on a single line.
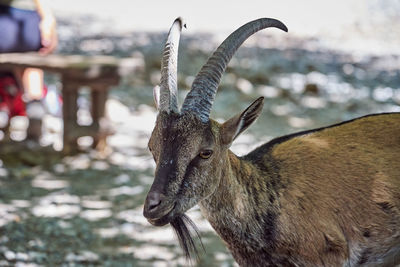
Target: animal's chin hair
[(181, 225)]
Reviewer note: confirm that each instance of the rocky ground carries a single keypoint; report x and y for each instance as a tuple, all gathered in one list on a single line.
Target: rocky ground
[(86, 210)]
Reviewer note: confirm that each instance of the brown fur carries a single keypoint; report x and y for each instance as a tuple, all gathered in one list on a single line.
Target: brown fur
[(337, 198), (346, 179)]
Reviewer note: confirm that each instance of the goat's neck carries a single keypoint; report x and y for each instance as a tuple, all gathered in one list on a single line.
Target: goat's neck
[(232, 208)]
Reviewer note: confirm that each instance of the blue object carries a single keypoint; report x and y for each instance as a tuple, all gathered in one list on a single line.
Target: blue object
[(19, 30)]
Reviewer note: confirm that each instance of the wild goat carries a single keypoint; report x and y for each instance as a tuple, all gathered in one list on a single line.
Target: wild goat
[(323, 197)]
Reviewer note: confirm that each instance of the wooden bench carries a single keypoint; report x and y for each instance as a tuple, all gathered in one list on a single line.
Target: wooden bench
[(99, 73)]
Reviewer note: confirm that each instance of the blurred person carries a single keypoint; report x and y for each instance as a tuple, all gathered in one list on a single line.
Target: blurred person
[(25, 26)]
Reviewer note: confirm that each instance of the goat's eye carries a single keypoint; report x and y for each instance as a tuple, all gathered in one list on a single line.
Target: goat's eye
[(205, 154)]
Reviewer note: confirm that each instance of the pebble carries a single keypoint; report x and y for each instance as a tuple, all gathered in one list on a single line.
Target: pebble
[(10, 255)]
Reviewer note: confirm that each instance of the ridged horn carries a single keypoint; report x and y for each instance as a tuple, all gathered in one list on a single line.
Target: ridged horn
[(169, 65), (201, 96)]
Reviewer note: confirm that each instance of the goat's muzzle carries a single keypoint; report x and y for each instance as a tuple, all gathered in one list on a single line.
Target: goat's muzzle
[(157, 210)]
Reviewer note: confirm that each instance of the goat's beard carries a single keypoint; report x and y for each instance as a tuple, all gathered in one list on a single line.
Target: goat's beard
[(181, 225)]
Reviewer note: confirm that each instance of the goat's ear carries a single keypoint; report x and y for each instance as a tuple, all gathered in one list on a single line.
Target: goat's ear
[(156, 95), (237, 124)]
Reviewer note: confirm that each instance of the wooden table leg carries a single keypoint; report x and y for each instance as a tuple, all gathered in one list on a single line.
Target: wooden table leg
[(99, 97), (70, 109)]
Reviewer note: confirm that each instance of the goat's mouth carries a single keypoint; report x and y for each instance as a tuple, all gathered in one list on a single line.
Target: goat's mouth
[(181, 223), (166, 217), (168, 213)]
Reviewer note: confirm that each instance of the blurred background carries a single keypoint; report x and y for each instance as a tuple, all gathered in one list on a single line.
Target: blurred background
[(340, 60)]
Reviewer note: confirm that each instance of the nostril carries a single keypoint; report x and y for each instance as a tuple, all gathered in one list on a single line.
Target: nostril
[(154, 204), (154, 200)]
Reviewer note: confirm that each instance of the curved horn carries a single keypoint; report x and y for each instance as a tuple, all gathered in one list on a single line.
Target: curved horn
[(201, 96), (169, 64)]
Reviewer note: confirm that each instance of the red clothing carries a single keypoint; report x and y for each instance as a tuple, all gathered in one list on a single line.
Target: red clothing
[(11, 97)]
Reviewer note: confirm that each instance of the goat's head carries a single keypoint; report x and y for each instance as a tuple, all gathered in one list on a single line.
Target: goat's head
[(187, 145)]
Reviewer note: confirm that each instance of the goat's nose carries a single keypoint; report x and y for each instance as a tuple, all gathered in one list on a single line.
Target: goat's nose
[(154, 200)]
